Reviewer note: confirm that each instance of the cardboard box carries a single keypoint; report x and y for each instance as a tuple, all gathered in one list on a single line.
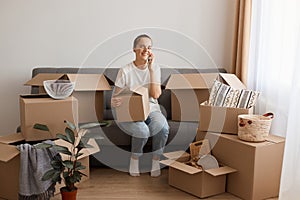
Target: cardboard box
[(135, 105), (200, 135), (45, 110), (88, 90), (220, 119), (258, 164), (10, 164), (187, 92), (198, 182)]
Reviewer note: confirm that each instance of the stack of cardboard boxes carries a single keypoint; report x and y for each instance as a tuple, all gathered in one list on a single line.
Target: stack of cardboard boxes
[(257, 165), (84, 105)]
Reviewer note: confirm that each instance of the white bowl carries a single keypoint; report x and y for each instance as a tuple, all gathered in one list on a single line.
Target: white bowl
[(59, 89), (208, 162)]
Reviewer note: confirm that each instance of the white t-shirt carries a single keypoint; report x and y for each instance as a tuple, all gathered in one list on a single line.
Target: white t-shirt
[(130, 77)]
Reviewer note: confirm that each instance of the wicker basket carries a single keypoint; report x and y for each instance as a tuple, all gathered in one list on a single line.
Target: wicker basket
[(254, 128)]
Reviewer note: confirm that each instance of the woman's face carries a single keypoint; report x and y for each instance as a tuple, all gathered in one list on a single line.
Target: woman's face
[(143, 49)]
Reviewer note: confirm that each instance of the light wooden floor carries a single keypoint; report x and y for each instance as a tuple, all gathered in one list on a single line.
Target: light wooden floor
[(110, 184)]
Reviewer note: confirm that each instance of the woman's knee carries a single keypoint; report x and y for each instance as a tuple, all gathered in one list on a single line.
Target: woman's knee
[(159, 124), (142, 132), (135, 129)]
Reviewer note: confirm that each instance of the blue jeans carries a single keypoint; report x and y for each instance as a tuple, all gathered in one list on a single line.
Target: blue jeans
[(155, 125)]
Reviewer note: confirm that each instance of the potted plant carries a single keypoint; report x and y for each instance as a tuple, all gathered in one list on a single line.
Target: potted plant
[(68, 170)]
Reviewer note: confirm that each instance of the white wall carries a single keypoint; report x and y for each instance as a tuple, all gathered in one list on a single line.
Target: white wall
[(100, 33)]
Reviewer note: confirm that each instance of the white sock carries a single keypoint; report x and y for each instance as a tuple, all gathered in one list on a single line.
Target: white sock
[(134, 167), (155, 171)]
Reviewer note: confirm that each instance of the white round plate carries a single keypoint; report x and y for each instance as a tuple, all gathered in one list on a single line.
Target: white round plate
[(208, 162)]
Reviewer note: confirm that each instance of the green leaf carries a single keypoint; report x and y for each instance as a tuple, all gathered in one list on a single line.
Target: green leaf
[(78, 164), (80, 167), (41, 127), (77, 176), (62, 149), (56, 177), (71, 125), (43, 145), (84, 143), (48, 175), (68, 164), (70, 135), (108, 123), (65, 174), (63, 137), (103, 123), (56, 164)]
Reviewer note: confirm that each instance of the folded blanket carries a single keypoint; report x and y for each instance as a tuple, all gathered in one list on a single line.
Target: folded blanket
[(34, 163)]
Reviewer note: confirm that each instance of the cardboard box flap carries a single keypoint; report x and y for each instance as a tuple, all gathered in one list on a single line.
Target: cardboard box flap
[(89, 82), (140, 90), (90, 151), (40, 78), (86, 151), (83, 82), (11, 138), (8, 152), (200, 147), (220, 171), (209, 78), (191, 81), (176, 154), (275, 139), (167, 162), (232, 80), (181, 166), (270, 140)]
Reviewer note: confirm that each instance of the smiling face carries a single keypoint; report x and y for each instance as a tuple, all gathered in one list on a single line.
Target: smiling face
[(142, 49)]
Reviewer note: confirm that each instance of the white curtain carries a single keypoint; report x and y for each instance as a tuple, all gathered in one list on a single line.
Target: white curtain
[(274, 69)]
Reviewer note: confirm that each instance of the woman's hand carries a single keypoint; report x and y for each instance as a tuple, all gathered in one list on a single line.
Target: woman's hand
[(150, 61), (116, 101)]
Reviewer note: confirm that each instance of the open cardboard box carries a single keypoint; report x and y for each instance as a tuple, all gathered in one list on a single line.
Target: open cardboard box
[(135, 105), (10, 163), (198, 182), (187, 92), (45, 110), (222, 119), (88, 90), (258, 164)]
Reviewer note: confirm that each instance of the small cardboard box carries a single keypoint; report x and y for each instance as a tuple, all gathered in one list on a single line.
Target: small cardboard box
[(187, 92), (135, 105), (88, 90), (220, 119), (10, 164), (45, 110), (198, 182), (258, 164)]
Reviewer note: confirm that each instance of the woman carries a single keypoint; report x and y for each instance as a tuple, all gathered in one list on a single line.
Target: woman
[(142, 72)]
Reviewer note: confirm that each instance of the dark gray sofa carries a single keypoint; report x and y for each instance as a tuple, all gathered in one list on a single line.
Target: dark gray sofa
[(115, 145)]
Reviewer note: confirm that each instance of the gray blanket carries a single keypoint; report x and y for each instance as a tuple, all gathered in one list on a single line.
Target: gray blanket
[(33, 164)]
